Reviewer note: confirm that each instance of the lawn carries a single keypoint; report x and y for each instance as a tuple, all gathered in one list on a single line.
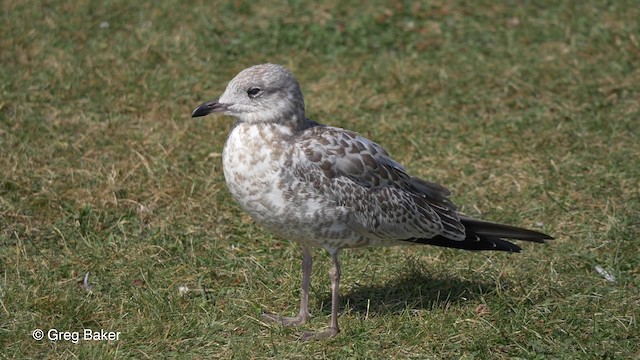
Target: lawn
[(528, 111)]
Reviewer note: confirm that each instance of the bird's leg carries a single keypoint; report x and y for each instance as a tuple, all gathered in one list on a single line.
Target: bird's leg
[(303, 316), (333, 329)]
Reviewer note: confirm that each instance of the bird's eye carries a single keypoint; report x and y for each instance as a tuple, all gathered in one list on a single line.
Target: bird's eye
[(254, 92)]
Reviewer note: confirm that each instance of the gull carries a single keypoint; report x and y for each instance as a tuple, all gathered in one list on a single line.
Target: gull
[(331, 188)]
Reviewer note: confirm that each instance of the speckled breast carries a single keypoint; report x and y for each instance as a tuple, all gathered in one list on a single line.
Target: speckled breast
[(254, 159)]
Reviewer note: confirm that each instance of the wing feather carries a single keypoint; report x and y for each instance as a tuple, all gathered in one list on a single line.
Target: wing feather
[(385, 202)]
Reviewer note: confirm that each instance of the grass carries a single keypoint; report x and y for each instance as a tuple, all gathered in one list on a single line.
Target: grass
[(529, 112)]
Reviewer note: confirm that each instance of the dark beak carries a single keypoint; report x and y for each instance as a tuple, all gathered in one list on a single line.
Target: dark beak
[(209, 107)]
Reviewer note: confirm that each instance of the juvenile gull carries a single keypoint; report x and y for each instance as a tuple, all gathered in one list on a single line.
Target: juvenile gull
[(331, 188)]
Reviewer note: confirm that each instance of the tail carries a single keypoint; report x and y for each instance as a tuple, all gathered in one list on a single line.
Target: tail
[(484, 235)]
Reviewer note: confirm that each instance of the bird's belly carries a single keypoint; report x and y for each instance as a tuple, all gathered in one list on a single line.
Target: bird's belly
[(296, 217)]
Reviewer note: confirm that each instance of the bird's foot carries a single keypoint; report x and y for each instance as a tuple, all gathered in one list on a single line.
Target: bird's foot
[(286, 320), (325, 334)]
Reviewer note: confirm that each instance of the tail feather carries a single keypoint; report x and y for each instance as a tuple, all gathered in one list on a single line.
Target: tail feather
[(484, 235), (486, 228)]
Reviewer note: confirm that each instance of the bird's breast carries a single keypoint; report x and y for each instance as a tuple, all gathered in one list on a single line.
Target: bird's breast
[(251, 162), (257, 163)]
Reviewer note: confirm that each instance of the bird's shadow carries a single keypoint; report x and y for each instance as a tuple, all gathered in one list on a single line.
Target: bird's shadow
[(416, 289)]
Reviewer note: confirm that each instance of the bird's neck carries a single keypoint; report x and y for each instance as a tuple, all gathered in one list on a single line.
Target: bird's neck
[(295, 121)]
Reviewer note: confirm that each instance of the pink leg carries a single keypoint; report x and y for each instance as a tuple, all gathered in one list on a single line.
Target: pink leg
[(303, 316), (333, 329)]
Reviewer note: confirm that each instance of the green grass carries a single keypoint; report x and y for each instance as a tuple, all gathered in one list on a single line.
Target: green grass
[(530, 113)]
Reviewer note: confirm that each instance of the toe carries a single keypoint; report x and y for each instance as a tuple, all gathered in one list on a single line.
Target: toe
[(325, 334), (284, 320)]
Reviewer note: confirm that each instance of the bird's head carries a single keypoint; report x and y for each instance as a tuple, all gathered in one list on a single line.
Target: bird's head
[(265, 93)]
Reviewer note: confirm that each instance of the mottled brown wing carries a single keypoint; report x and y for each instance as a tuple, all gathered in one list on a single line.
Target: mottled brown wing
[(385, 201)]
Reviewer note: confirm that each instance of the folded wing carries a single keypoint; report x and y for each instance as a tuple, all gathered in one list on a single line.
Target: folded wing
[(384, 201)]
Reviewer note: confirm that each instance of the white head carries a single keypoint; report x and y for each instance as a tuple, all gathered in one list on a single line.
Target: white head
[(265, 93)]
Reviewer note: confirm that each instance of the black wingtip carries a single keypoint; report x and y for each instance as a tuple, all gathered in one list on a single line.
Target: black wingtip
[(484, 235), (487, 228), (471, 243)]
